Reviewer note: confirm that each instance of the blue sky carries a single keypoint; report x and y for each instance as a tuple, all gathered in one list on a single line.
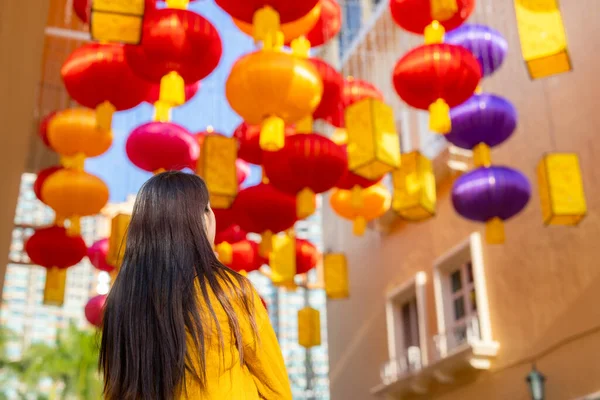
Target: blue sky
[(208, 108)]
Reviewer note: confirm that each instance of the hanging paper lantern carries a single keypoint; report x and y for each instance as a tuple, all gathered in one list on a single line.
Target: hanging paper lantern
[(231, 234), (291, 30), (73, 194), (436, 77), (175, 40), (82, 9), (75, 132), (561, 189), (335, 271), (333, 85), (376, 201), (159, 146), (543, 40), (41, 178), (190, 91), (309, 327), (225, 218), (243, 170), (97, 254), (307, 256), (51, 247), (248, 137), (282, 260), (417, 15), (307, 165), (414, 197), (487, 45), (354, 90), (117, 242), (483, 121), (43, 128), (491, 195), (354, 183), (243, 10), (98, 72), (265, 210), (94, 310), (273, 88), (241, 256), (328, 25), (217, 166)]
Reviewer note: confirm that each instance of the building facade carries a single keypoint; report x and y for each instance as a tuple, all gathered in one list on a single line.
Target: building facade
[(436, 313)]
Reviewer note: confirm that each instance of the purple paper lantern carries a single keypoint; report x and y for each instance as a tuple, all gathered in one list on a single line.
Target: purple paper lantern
[(484, 118), (487, 45), (491, 195)]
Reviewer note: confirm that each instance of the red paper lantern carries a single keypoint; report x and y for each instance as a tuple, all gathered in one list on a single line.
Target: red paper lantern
[(95, 73), (225, 218), (248, 137), (41, 178), (354, 90), (43, 128), (97, 254), (328, 25), (94, 310), (51, 247), (175, 40), (263, 208), (307, 164), (415, 15), (333, 85), (437, 77), (190, 91), (243, 10), (157, 146), (232, 234), (245, 257), (307, 256)]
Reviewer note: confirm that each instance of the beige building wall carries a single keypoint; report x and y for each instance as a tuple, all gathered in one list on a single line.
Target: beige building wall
[(542, 284)]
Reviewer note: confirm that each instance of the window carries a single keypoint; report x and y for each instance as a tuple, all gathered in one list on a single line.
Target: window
[(461, 298)]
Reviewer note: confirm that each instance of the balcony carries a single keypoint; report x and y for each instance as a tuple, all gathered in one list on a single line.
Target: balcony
[(461, 351)]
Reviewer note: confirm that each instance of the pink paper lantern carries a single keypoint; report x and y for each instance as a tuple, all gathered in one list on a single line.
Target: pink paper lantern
[(94, 310), (97, 254)]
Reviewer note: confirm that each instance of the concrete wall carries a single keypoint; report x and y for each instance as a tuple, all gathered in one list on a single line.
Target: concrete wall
[(542, 284), (21, 43)]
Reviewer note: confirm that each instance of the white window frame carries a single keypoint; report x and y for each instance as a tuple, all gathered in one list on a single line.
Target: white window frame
[(415, 287), (469, 250)]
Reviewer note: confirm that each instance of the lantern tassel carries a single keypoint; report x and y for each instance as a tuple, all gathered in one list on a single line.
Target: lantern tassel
[(443, 10), (172, 89), (54, 288), (162, 111), (104, 114), (439, 118), (267, 28), (300, 47), (225, 252), (76, 162), (159, 171), (75, 226), (305, 203), (360, 225), (305, 125), (272, 134), (178, 4), (357, 198), (494, 231), (434, 33), (266, 244), (482, 156)]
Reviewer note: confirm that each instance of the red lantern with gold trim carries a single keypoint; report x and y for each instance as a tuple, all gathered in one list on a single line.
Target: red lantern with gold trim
[(333, 85), (328, 25), (248, 137), (436, 77), (175, 40), (241, 256), (308, 164), (416, 15), (232, 234), (243, 10), (353, 91), (225, 219), (51, 247), (307, 256)]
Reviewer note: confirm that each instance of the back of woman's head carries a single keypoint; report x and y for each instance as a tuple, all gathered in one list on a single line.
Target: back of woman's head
[(152, 309)]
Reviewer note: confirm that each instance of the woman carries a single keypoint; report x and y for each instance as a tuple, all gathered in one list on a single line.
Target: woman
[(178, 324)]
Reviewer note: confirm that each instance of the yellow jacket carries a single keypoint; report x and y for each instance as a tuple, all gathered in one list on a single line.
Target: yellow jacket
[(263, 375)]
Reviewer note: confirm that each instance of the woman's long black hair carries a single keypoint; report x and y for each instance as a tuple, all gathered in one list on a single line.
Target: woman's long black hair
[(152, 312)]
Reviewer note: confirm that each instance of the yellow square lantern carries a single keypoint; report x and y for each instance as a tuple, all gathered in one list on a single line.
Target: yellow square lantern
[(54, 289), (217, 166), (561, 189), (335, 270), (118, 239), (373, 142), (543, 38), (282, 260), (414, 196), (309, 327), (117, 21)]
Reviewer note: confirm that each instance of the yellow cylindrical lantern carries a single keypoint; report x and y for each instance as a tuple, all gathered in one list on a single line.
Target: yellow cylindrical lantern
[(118, 239), (543, 38), (282, 260), (54, 289), (335, 269), (561, 189), (117, 21), (373, 142), (309, 327), (414, 195), (217, 166)]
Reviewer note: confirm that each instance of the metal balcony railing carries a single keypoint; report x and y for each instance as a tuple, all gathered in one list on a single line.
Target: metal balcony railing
[(410, 361), (458, 335)]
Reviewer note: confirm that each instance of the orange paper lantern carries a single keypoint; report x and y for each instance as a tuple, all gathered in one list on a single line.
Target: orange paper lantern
[(376, 201)]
